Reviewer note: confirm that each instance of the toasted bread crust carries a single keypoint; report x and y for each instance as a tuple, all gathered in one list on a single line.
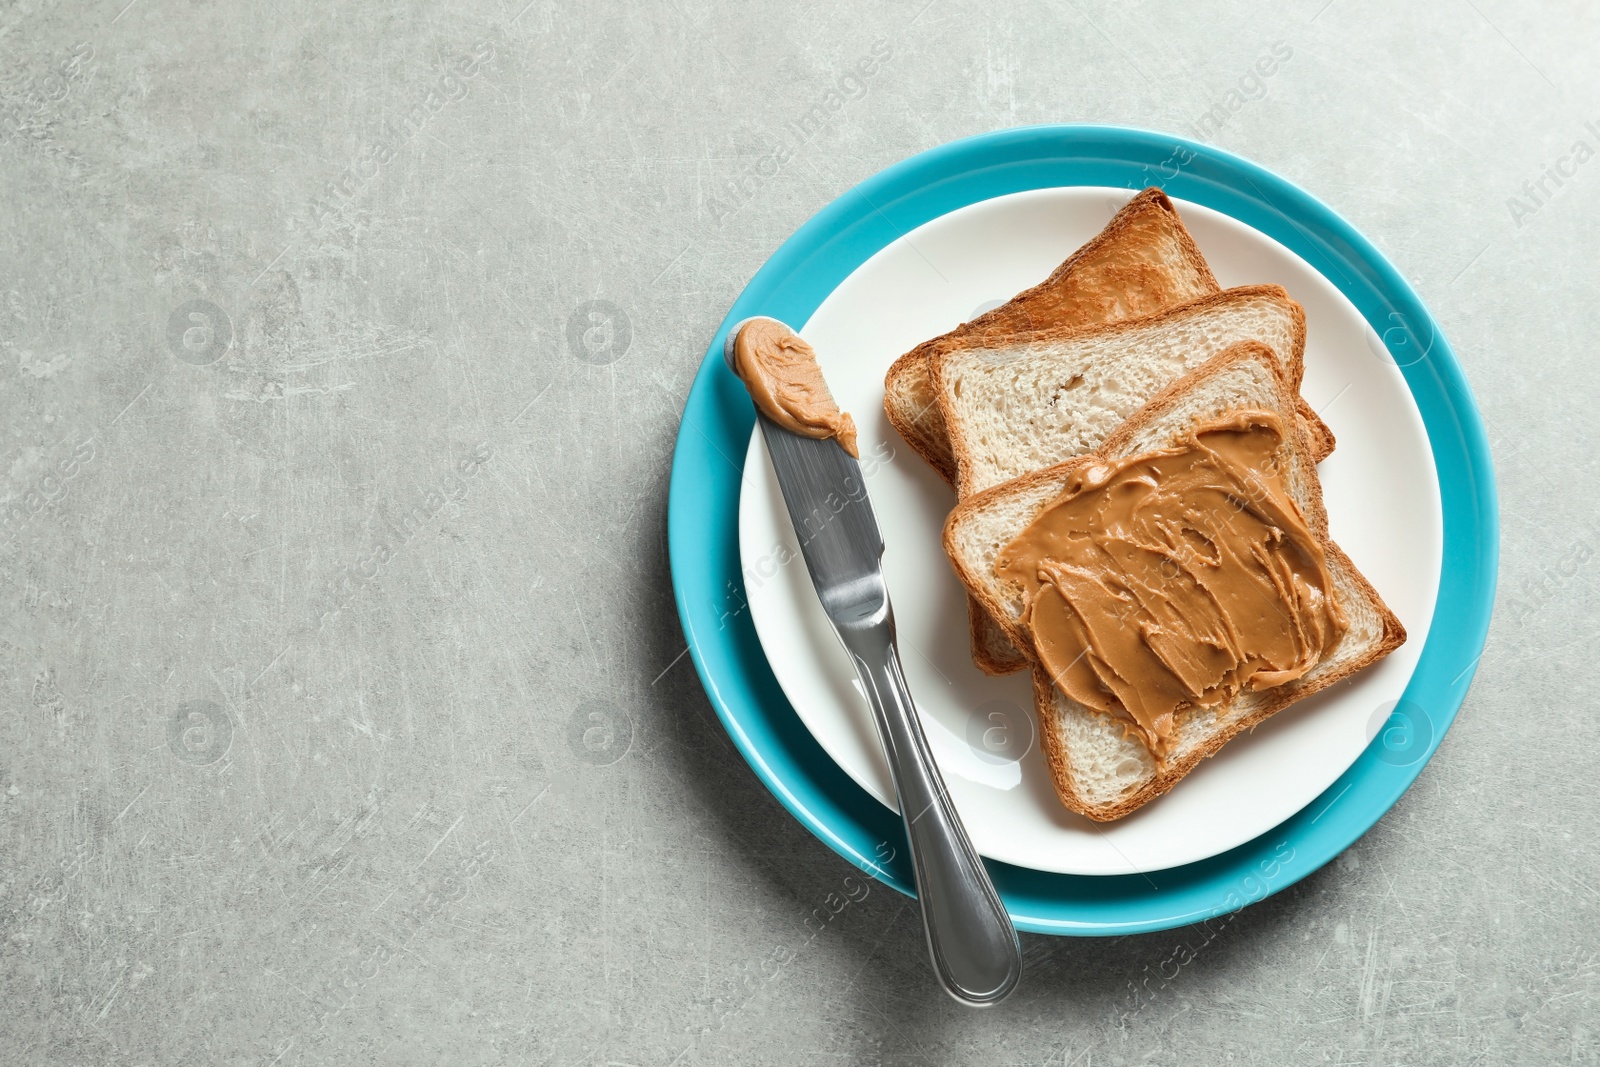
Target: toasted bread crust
[(916, 418), (993, 651), (1168, 775)]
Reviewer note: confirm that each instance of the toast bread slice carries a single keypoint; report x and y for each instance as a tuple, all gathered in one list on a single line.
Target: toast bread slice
[(1098, 768), (1022, 403), (1142, 263)]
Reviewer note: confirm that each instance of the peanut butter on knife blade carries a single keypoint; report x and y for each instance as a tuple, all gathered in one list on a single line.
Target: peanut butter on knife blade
[(1177, 578), (781, 372)]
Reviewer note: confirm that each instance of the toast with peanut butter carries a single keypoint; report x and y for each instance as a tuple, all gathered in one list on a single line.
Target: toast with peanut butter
[(1143, 263), (1173, 587)]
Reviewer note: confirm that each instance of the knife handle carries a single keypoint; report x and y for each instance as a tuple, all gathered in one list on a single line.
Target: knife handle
[(970, 937)]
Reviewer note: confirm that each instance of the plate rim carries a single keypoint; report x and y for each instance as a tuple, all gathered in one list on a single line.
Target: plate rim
[(707, 576)]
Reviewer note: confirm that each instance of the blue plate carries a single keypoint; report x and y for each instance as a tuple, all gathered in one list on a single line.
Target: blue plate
[(703, 512)]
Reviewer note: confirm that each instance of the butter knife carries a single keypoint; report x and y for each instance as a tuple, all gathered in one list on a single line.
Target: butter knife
[(973, 945)]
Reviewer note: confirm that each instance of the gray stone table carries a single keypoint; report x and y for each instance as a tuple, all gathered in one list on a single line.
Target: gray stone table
[(275, 276)]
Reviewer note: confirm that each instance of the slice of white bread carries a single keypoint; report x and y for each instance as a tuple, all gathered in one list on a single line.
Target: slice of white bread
[(1023, 403), (1142, 263), (1099, 769)]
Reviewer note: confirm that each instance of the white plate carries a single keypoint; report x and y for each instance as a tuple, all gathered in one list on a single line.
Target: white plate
[(1383, 507)]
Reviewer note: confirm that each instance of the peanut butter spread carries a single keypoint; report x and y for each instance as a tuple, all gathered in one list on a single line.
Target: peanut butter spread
[(781, 372), (1177, 578)]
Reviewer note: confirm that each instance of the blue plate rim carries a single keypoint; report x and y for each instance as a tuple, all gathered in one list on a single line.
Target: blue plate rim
[(717, 421)]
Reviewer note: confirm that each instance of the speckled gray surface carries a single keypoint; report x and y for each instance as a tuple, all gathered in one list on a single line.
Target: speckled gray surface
[(267, 796)]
